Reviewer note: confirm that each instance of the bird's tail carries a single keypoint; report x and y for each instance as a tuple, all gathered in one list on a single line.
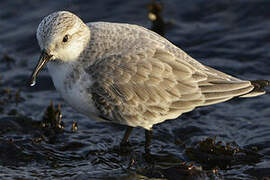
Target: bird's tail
[(258, 89)]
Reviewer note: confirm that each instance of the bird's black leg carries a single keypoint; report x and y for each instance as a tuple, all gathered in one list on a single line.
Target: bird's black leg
[(125, 138), (148, 138)]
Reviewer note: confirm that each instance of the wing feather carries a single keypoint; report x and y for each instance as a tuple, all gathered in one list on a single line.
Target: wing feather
[(147, 87)]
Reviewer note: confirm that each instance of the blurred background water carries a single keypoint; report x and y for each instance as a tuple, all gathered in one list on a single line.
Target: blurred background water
[(230, 35)]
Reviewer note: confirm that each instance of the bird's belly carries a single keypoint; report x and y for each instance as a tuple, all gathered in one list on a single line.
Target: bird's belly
[(81, 100), (74, 91)]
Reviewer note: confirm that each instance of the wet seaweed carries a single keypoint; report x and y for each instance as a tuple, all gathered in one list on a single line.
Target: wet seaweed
[(9, 99), (8, 60), (52, 118), (9, 95), (52, 123), (211, 154), (74, 127), (170, 168)]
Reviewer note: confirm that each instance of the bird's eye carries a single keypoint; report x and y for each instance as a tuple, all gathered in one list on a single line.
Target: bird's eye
[(66, 38)]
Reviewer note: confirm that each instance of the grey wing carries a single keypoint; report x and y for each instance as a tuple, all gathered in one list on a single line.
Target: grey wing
[(150, 84)]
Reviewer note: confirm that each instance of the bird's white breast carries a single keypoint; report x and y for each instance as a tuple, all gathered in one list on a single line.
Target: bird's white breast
[(75, 93)]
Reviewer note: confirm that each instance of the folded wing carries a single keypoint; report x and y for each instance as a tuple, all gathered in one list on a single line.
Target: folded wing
[(148, 85)]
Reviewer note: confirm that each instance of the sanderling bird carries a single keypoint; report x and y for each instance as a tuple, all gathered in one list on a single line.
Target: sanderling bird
[(127, 74)]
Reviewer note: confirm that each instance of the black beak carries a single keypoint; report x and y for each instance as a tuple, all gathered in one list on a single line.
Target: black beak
[(43, 59)]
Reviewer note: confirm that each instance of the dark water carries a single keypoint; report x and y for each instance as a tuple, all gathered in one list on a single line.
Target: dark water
[(232, 36)]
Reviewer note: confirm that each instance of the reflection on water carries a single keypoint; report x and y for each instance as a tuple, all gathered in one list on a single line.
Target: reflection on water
[(229, 35)]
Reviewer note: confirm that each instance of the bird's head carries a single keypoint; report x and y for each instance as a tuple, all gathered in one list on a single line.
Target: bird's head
[(62, 36)]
